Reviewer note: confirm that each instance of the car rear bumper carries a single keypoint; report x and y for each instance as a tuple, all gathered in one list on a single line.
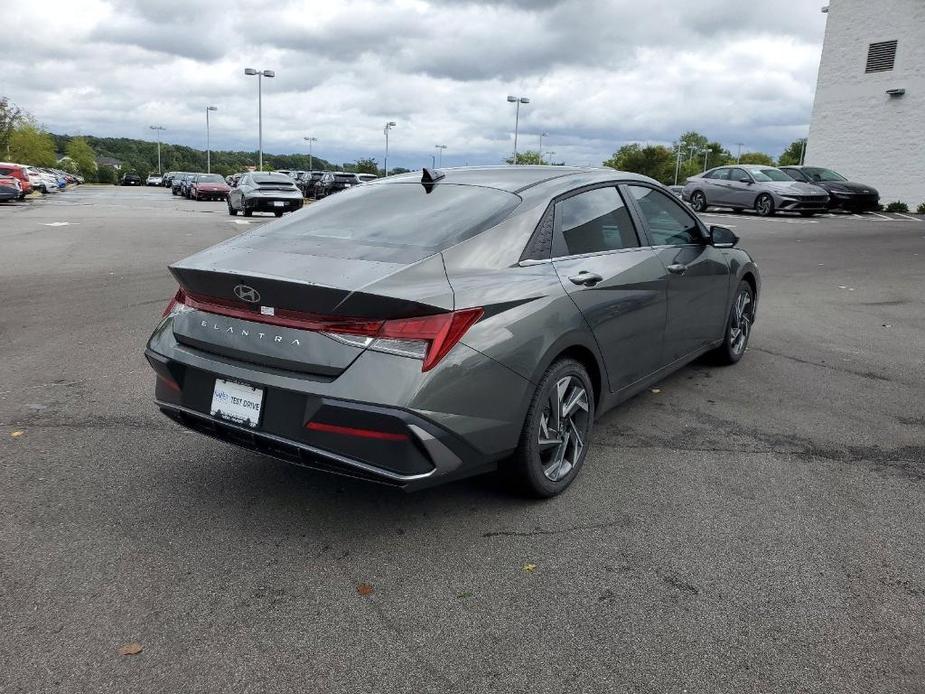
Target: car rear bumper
[(269, 204), (396, 447)]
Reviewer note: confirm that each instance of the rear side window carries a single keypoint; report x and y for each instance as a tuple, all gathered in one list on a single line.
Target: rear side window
[(592, 222), (669, 224), (794, 174), (403, 215), (721, 174)]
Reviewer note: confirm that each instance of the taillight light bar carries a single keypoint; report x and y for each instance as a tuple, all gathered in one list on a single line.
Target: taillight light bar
[(428, 338), (356, 432)]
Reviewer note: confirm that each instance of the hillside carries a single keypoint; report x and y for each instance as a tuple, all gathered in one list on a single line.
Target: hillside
[(140, 156)]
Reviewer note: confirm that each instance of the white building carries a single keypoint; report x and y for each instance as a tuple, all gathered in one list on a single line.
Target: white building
[(869, 114)]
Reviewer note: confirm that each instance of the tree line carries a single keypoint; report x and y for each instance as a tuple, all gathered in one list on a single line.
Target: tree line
[(697, 153)]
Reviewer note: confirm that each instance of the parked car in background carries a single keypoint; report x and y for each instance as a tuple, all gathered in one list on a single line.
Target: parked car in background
[(309, 182), (10, 188), (154, 180), (843, 194), (366, 178), (208, 187), (765, 189), (130, 179), (17, 171), (264, 192), (429, 327), (334, 182), (185, 183), (35, 178)]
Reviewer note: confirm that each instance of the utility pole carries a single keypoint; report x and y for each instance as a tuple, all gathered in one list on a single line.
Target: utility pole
[(517, 100), (310, 160), (739, 158), (157, 129), (385, 163), (209, 140)]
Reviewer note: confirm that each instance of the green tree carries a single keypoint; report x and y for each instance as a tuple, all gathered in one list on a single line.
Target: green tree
[(525, 158), (83, 155), (28, 144), (759, 158), (655, 161), (106, 174), (395, 170), (10, 117), (791, 156), (368, 166)]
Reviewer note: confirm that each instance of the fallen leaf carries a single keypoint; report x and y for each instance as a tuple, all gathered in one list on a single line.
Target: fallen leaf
[(16, 434), (656, 390), (530, 568), (133, 648), (365, 589), (463, 596)]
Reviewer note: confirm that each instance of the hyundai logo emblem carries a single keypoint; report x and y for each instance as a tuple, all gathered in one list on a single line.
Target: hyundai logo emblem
[(248, 294)]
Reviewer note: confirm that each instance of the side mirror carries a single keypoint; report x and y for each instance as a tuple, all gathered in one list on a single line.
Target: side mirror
[(745, 180), (722, 237)]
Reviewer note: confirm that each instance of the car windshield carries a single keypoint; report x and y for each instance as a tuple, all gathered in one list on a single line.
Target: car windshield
[(763, 175), (211, 178), (817, 173), (402, 215)]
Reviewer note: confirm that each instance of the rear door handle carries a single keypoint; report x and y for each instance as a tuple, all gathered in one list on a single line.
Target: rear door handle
[(677, 269), (588, 279)]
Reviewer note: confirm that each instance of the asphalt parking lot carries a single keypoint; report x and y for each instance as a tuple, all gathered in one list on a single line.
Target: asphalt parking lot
[(757, 528)]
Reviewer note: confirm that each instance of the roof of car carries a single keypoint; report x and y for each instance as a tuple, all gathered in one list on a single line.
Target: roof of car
[(515, 179)]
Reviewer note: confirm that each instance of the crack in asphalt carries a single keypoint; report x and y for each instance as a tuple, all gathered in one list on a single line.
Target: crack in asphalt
[(559, 531), (822, 365)]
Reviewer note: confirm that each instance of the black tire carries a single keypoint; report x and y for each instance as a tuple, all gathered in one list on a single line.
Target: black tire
[(734, 345), (232, 211), (807, 214), (532, 469), (698, 201), (764, 205), (247, 212), (278, 213)]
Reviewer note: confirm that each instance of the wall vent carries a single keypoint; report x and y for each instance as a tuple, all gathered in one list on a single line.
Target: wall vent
[(881, 56)]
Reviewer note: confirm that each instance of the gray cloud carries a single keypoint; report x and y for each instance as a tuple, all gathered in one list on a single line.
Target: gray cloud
[(598, 73)]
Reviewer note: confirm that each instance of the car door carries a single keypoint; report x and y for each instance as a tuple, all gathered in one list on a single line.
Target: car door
[(618, 284), (741, 188), (716, 187), (697, 273), (238, 192)]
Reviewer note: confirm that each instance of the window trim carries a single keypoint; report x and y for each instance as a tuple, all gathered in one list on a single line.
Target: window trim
[(643, 223)]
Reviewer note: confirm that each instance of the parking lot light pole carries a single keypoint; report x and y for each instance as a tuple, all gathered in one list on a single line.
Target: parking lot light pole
[(706, 158), (739, 157), (517, 100), (157, 129), (209, 140), (260, 75), (385, 163), (677, 166), (439, 149), (542, 135), (309, 140)]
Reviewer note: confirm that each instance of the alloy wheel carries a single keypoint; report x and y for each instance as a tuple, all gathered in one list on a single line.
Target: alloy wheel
[(699, 202), (741, 324), (765, 205), (564, 425)]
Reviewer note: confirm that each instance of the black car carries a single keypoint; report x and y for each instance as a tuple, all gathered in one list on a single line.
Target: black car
[(185, 183), (130, 179), (177, 181), (843, 194), (308, 182), (264, 192), (334, 182)]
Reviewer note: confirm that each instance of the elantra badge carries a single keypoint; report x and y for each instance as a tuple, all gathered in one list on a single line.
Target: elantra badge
[(248, 294)]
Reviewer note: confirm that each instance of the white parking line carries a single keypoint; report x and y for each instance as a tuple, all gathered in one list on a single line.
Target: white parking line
[(914, 219), (876, 214)]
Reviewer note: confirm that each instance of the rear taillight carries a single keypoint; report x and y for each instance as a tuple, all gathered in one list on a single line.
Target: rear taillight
[(428, 338)]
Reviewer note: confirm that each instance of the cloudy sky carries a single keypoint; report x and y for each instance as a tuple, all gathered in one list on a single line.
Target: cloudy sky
[(599, 73)]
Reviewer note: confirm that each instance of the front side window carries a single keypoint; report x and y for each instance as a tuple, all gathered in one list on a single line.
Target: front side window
[(795, 174), (595, 221), (738, 175), (817, 173), (669, 223)]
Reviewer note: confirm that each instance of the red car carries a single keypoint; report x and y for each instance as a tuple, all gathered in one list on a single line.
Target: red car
[(208, 187), (17, 171), (10, 188)]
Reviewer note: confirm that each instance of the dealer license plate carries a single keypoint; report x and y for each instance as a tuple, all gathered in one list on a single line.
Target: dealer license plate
[(279, 203), (237, 402)]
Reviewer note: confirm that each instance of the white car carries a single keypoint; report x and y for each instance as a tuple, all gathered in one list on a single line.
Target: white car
[(42, 181), (154, 180)]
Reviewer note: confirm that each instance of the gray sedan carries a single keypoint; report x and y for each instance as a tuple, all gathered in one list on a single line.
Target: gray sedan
[(763, 188), (423, 328)]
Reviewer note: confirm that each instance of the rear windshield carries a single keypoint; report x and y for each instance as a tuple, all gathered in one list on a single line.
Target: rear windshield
[(279, 179), (345, 177), (404, 215)]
